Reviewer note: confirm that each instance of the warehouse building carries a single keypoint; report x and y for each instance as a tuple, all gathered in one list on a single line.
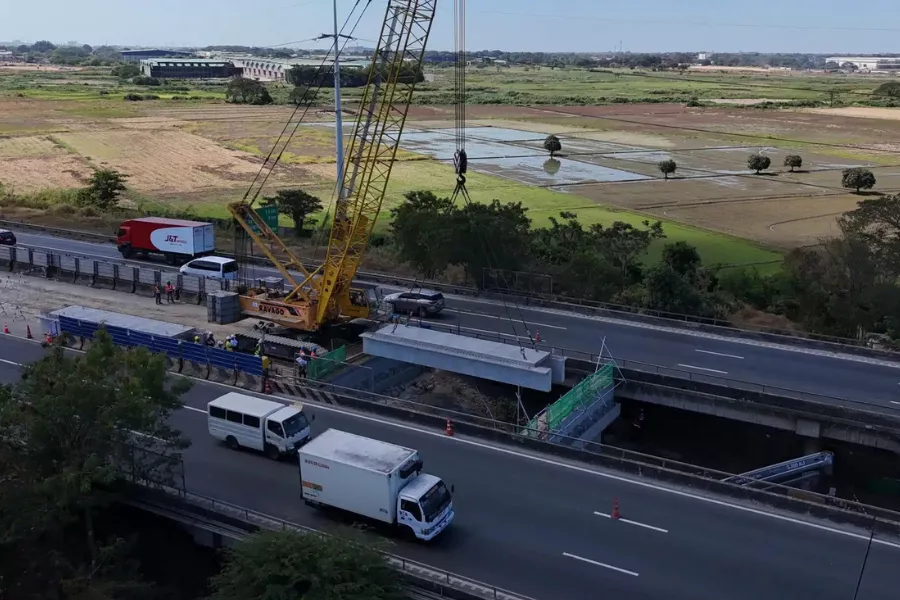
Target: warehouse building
[(266, 69), (868, 63), (189, 68), (136, 56)]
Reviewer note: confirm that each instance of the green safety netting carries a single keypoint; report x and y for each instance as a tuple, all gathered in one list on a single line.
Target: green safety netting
[(323, 366), (582, 395)]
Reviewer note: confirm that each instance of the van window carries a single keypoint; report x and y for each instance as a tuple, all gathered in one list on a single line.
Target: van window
[(216, 412), (251, 421), (412, 508), (275, 427), (203, 265), (230, 267), (235, 417)]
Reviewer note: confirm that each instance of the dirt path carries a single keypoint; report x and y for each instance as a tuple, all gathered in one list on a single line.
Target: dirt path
[(23, 298)]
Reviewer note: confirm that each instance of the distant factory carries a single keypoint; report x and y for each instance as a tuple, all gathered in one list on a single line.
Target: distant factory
[(868, 63), (189, 68)]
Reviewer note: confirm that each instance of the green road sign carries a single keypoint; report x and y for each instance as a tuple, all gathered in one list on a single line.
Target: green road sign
[(269, 215)]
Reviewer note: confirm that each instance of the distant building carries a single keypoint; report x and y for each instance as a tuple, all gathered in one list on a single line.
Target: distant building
[(270, 69), (136, 56), (868, 63), (704, 56), (188, 68)]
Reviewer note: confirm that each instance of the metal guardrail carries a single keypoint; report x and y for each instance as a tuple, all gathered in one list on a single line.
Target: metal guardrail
[(402, 564), (559, 302)]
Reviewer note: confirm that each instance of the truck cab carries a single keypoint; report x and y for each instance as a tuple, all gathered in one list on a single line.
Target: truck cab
[(425, 506)]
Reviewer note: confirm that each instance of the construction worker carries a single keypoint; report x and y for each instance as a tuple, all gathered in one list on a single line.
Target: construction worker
[(301, 364), (170, 292), (210, 340), (157, 294), (197, 338)]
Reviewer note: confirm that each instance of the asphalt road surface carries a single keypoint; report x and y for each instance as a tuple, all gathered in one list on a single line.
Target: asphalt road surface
[(705, 358), (540, 527)]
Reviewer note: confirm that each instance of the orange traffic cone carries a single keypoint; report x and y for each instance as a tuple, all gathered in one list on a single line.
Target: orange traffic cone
[(28, 332), (537, 335), (449, 428), (615, 512), (6, 328)]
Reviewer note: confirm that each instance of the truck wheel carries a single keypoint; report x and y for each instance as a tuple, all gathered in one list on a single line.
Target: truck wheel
[(408, 534), (170, 259), (421, 312), (272, 452), (232, 442), (126, 252)]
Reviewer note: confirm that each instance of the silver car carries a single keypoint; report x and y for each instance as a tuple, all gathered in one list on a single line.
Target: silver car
[(416, 302)]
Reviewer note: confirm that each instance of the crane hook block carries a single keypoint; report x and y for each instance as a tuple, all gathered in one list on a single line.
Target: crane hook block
[(461, 161)]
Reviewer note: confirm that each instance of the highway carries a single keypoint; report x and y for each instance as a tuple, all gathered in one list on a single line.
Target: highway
[(705, 357), (529, 524)]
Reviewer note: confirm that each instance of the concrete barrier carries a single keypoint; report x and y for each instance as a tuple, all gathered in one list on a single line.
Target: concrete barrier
[(249, 382), (192, 368), (221, 375)]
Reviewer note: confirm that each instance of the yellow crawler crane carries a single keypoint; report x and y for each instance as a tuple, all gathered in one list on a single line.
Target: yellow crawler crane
[(324, 296)]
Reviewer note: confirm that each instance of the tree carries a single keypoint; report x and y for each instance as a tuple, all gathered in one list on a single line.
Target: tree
[(69, 429), (297, 204), (876, 222), (490, 236), (891, 89), (793, 161), (758, 163), (125, 71), (241, 90), (667, 167), (104, 189), (857, 178), (625, 245), (300, 96), (422, 233), (283, 565), (552, 145)]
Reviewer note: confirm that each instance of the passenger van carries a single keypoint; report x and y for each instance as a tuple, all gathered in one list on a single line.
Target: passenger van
[(215, 267), (243, 421)]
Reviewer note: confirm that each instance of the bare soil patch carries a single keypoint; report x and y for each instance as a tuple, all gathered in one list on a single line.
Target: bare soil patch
[(28, 146), (164, 161), (891, 114), (34, 173)]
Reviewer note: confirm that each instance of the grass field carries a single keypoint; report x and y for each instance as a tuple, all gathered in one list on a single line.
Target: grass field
[(199, 153)]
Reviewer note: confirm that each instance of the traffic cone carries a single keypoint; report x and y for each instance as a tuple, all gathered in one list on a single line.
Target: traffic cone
[(537, 335), (6, 328), (28, 332), (449, 428), (615, 512)]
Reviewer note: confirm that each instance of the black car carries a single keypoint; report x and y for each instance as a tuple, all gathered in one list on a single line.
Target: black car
[(7, 238)]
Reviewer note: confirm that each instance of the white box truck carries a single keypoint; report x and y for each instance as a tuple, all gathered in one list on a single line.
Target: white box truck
[(375, 480), (243, 421)]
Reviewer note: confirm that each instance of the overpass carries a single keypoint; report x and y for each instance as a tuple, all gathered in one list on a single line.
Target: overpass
[(674, 540)]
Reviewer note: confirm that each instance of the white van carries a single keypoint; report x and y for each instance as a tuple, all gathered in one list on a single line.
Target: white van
[(243, 421), (215, 267)]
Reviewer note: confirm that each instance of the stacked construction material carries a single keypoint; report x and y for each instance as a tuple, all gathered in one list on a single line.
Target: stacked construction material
[(223, 307)]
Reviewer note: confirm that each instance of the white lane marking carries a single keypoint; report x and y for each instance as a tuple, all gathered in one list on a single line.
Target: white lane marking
[(199, 410), (719, 354), (502, 318), (546, 461), (630, 522), (894, 402), (9, 362), (704, 369), (600, 564)]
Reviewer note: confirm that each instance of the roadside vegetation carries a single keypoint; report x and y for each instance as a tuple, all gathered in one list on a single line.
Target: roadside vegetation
[(66, 453)]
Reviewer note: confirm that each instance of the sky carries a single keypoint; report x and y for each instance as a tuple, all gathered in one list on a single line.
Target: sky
[(813, 26)]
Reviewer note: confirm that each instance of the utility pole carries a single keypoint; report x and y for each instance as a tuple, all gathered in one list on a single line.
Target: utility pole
[(338, 116)]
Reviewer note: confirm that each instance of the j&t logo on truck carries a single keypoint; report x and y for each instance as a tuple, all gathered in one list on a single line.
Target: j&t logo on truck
[(172, 239)]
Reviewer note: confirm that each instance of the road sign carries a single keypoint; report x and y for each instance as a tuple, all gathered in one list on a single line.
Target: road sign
[(269, 215)]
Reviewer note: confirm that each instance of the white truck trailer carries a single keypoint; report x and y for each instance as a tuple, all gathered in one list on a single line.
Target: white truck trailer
[(243, 421), (375, 480)]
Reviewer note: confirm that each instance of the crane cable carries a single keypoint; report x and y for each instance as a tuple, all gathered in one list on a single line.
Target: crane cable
[(460, 158), (309, 96)]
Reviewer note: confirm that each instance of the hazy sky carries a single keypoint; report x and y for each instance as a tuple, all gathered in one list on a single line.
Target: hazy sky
[(535, 25)]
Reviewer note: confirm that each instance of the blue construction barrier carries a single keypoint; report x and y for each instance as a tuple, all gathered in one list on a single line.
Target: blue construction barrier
[(173, 348)]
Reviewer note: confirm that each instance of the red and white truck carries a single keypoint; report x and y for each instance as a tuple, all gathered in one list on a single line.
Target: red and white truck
[(175, 239)]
